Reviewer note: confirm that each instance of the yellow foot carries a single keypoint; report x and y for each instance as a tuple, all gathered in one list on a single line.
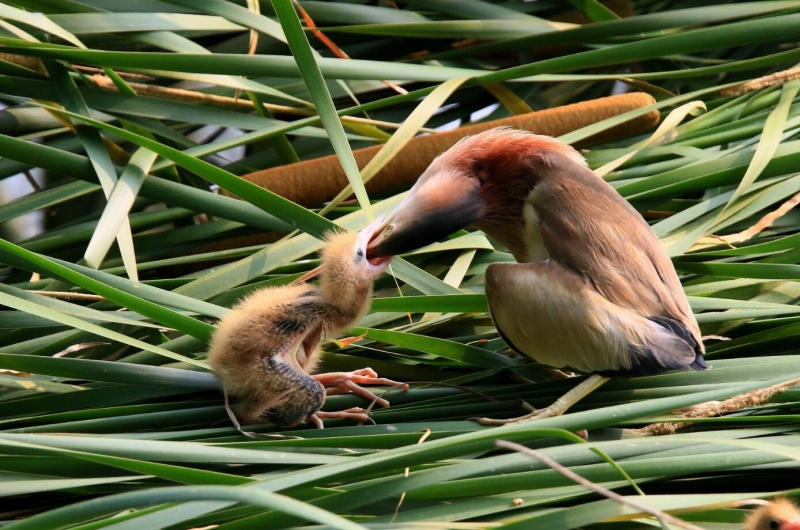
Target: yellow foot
[(355, 413), (348, 382)]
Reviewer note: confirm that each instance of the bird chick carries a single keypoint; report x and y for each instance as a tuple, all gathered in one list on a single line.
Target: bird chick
[(267, 346), (779, 514)]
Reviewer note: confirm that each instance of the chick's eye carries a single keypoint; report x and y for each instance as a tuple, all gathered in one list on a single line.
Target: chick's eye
[(774, 524), (359, 255)]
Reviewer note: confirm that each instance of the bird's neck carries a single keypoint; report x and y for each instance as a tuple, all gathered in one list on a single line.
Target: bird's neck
[(349, 301), (519, 233)]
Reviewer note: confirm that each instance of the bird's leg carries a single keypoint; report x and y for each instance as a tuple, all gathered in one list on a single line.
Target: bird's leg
[(355, 413), (558, 408), (348, 382)]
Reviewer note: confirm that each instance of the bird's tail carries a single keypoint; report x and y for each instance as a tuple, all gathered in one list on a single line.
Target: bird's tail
[(699, 363)]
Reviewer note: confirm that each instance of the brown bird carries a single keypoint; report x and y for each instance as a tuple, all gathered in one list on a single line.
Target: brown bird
[(266, 347), (780, 514), (593, 288)]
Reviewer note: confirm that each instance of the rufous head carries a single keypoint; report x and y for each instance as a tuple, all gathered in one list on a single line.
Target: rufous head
[(779, 514), (484, 176)]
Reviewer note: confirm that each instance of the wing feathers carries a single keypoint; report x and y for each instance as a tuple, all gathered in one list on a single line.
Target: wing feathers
[(589, 228), (553, 315)]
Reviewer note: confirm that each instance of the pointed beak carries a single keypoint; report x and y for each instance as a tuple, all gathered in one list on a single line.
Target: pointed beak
[(426, 215), (375, 264), (369, 232)]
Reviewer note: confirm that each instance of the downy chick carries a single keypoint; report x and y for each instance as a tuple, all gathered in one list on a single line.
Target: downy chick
[(266, 347), (779, 514)]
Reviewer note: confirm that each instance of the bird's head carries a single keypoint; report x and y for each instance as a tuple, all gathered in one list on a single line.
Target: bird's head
[(346, 274), (780, 514), (482, 180)]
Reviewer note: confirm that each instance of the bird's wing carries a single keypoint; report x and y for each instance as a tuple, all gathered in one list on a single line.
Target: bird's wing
[(609, 244), (553, 315), (301, 323), (270, 323)]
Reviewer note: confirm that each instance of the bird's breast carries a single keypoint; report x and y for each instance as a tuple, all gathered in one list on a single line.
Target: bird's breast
[(551, 315)]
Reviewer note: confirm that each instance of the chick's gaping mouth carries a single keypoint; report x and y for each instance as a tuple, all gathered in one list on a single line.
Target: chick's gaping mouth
[(377, 262)]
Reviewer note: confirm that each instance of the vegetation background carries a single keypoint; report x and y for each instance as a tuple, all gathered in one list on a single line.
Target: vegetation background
[(116, 196)]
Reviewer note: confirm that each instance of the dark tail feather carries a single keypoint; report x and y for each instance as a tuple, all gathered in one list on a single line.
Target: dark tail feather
[(678, 329), (699, 363), (673, 348)]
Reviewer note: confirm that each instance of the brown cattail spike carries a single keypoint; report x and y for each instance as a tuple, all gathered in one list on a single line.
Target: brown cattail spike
[(312, 183)]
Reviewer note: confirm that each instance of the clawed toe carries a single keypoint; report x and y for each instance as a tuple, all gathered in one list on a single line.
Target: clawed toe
[(348, 382)]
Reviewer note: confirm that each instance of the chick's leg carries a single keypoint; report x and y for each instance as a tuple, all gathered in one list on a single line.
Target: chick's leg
[(336, 383)]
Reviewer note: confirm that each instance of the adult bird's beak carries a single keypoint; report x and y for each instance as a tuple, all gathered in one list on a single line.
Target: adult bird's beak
[(435, 207)]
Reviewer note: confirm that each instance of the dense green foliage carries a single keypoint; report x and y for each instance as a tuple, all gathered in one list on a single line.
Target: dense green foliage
[(143, 433)]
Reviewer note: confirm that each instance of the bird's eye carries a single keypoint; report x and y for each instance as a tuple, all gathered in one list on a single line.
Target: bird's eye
[(359, 255), (774, 524)]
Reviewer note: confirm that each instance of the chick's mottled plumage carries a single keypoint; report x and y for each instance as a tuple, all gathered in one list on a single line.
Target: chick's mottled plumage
[(266, 348)]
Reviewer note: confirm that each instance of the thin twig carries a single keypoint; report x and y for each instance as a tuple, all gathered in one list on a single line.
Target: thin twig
[(658, 514), (32, 181)]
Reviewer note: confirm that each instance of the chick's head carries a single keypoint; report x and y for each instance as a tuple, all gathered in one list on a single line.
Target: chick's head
[(347, 275)]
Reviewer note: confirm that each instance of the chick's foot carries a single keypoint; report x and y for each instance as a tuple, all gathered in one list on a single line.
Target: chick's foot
[(336, 383)]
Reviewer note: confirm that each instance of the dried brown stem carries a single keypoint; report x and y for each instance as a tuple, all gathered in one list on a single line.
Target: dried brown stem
[(718, 408), (332, 46), (224, 102), (763, 223), (778, 78)]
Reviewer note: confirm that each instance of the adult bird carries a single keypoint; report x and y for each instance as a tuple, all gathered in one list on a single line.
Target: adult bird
[(592, 289)]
